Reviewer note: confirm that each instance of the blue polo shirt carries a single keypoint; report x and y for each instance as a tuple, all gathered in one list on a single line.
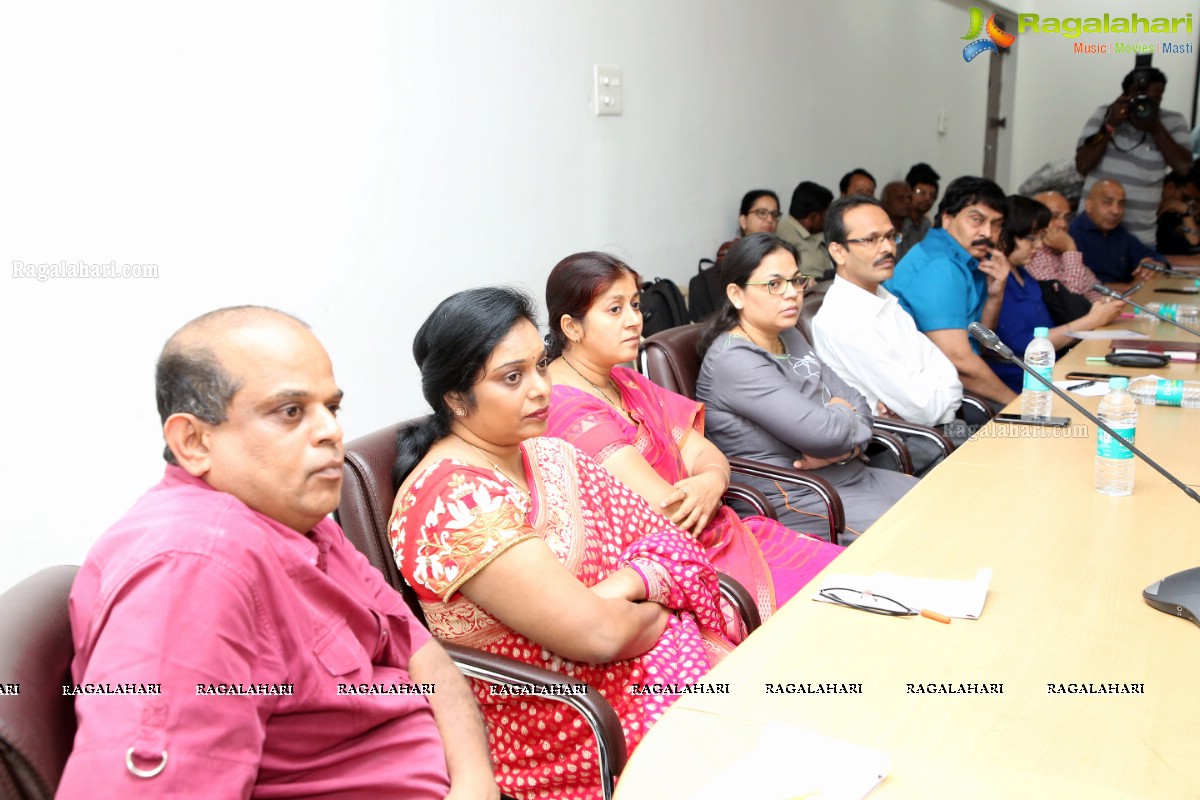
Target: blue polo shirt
[(938, 282), (1113, 256)]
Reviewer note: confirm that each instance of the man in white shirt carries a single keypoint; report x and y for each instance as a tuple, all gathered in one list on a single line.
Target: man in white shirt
[(864, 334)]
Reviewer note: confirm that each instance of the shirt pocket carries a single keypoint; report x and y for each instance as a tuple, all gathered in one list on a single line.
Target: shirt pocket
[(340, 652)]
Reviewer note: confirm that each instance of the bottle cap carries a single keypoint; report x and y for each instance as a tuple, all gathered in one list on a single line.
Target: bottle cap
[(1118, 384), (1041, 333)]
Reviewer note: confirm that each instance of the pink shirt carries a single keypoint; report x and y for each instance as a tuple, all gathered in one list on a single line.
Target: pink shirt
[(1068, 269), (194, 592)]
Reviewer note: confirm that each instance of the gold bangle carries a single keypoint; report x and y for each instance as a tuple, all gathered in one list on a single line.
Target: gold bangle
[(726, 474)]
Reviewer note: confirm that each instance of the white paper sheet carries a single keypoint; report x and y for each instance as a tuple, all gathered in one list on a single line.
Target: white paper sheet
[(962, 599), (1098, 388), (789, 762), (1121, 334)]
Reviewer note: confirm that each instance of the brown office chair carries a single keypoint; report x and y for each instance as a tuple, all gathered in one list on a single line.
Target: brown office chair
[(37, 726), (367, 495), (673, 361)]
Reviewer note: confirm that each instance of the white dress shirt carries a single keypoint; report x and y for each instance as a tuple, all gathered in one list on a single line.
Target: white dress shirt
[(874, 345)]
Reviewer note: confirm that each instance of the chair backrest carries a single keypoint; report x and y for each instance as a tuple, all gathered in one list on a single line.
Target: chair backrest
[(671, 361), (37, 726), (809, 307), (366, 505)]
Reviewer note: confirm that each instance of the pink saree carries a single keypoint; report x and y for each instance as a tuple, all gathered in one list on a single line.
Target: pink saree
[(455, 519), (772, 561)]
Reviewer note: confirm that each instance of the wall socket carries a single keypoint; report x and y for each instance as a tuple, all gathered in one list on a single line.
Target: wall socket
[(608, 93)]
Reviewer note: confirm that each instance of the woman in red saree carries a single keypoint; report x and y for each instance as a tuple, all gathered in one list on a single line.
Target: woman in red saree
[(653, 439), (576, 572)]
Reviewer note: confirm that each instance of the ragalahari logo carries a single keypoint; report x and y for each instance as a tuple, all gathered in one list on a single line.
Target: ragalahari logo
[(994, 39)]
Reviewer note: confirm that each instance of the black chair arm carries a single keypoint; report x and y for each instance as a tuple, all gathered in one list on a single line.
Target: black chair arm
[(599, 715), (740, 598), (835, 512), (912, 429), (882, 440), (975, 410), (751, 497)]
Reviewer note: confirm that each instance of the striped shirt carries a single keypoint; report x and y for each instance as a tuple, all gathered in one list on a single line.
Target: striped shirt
[(1134, 160)]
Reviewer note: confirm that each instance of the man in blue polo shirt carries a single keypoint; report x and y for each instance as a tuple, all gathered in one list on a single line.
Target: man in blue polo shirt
[(955, 276), (1108, 248)]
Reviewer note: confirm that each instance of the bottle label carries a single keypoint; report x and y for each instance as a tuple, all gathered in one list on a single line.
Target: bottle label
[(1170, 393), (1032, 384), (1108, 447)]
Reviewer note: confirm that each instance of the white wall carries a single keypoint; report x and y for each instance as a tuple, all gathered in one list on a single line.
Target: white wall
[(1057, 89), (356, 163)]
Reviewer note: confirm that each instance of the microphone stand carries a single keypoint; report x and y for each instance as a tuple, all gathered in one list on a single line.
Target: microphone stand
[(1163, 269), (1107, 292), (992, 342)]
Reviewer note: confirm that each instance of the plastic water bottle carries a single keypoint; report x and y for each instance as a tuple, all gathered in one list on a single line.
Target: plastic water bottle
[(1162, 392), (1187, 315), (1114, 461), (1168, 310), (1035, 397)]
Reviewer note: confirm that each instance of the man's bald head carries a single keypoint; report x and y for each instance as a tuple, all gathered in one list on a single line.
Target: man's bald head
[(1106, 186), (190, 377), (1105, 204), (1060, 209), (897, 200)]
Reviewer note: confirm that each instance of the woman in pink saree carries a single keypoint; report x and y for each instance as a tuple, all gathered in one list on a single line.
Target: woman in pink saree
[(522, 546), (653, 439)]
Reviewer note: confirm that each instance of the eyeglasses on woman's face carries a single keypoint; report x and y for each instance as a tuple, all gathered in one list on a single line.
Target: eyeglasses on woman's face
[(765, 214), (801, 283), (1036, 238)]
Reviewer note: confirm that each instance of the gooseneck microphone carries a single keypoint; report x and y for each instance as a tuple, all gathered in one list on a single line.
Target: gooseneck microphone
[(1163, 269), (1114, 294), (991, 341)]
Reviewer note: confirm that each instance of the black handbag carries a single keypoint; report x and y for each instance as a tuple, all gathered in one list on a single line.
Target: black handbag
[(1064, 306)]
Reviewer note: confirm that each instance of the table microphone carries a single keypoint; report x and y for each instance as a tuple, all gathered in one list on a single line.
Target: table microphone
[(1114, 294), (991, 341), (1163, 269), (1177, 594)]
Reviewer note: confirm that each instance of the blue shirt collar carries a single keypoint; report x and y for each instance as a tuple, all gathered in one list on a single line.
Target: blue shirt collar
[(939, 242)]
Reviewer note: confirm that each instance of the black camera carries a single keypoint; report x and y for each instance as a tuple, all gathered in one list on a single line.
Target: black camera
[(1142, 107)]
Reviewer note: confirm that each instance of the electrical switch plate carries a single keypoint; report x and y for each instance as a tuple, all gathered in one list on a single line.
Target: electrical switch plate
[(608, 93)]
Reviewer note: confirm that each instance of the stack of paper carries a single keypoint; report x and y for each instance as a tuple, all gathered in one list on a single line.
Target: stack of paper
[(963, 599), (789, 762)]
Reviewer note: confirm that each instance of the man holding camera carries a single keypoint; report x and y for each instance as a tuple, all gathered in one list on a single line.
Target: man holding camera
[(1134, 141)]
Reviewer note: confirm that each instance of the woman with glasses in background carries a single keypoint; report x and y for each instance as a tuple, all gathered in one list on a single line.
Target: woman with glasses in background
[(759, 213), (1025, 298), (651, 439), (768, 397)]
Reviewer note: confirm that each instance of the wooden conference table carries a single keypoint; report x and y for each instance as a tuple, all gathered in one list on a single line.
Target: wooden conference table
[(1064, 606)]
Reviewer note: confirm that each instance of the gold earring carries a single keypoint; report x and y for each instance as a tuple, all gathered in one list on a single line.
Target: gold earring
[(458, 412)]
